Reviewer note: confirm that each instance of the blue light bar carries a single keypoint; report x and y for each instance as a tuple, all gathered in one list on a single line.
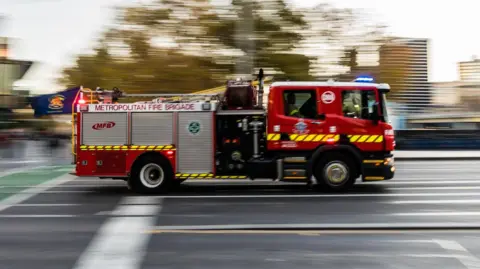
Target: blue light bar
[(364, 79)]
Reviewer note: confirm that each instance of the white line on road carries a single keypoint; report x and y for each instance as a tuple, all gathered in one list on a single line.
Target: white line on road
[(436, 214), (140, 200), (436, 188), (377, 255), (432, 202), (40, 205), (467, 259), (135, 210), (423, 182), (30, 192), (320, 226), (35, 216), (120, 243), (346, 195)]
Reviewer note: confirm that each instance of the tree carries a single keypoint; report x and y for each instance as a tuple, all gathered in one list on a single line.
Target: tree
[(189, 45)]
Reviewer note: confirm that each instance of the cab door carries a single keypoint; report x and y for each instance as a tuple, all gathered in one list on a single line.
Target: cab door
[(357, 108), (298, 122)]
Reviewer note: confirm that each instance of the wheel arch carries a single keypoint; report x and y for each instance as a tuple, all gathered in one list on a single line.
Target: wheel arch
[(347, 150), (153, 155)]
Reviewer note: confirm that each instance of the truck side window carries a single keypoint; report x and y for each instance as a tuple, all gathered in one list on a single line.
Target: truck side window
[(300, 104), (358, 103)]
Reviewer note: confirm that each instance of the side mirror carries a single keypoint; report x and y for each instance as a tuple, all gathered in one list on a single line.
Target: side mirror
[(374, 116)]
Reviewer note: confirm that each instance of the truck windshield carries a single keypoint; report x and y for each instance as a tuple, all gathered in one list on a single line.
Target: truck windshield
[(383, 104)]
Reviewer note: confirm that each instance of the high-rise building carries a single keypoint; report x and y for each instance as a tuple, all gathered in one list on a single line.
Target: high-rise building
[(469, 71), (404, 64)]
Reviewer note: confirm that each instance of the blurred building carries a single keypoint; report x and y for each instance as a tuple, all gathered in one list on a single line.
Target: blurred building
[(404, 64), (469, 71), (10, 71)]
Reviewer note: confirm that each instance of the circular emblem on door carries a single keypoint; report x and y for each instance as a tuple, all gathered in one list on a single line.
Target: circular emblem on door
[(194, 127), (328, 97)]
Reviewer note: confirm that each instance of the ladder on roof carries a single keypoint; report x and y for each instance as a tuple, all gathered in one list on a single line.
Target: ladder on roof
[(167, 97)]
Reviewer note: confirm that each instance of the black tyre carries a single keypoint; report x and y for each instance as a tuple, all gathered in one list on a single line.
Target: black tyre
[(151, 174), (335, 172)]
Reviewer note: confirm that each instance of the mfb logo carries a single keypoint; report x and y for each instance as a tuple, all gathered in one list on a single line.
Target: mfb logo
[(103, 125)]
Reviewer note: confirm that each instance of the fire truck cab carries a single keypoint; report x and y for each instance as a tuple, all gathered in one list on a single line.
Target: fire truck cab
[(326, 134)]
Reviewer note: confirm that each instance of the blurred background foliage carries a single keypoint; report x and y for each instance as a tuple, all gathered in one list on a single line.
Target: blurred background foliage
[(190, 45)]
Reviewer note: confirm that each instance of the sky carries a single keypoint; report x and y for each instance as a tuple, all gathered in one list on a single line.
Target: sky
[(53, 32)]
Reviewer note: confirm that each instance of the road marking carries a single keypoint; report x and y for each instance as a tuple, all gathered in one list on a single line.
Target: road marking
[(432, 202), (437, 188), (346, 195), (140, 200), (35, 216), (331, 226), (436, 214), (35, 190), (467, 259), (30, 192), (317, 232), (120, 242), (135, 210), (422, 182), (376, 255), (40, 205)]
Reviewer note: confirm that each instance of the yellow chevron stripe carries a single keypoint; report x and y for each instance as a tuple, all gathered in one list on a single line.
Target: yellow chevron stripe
[(363, 138), (354, 138), (205, 176), (84, 147), (300, 137), (325, 137), (310, 137), (371, 138)]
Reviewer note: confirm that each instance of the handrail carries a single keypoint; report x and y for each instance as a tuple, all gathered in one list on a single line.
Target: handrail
[(73, 115)]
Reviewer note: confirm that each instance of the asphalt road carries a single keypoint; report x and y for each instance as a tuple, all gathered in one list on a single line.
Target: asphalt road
[(89, 223)]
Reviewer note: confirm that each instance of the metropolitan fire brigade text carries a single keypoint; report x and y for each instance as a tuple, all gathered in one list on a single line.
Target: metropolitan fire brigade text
[(145, 107)]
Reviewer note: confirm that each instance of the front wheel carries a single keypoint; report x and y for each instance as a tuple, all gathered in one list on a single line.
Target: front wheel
[(335, 172), (151, 175)]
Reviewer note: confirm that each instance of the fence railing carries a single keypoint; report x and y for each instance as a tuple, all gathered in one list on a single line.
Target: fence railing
[(437, 139)]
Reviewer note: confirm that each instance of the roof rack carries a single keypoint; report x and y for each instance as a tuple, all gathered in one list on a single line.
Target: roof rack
[(107, 96)]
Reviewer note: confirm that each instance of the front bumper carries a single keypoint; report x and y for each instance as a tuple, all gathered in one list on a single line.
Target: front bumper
[(378, 168)]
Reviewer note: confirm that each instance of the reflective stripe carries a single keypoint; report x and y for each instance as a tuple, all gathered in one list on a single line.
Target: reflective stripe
[(326, 137), (133, 147), (205, 176)]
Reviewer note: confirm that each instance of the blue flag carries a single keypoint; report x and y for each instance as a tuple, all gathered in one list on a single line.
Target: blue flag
[(56, 103)]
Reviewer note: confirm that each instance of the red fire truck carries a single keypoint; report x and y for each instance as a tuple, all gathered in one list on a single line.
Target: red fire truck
[(326, 134)]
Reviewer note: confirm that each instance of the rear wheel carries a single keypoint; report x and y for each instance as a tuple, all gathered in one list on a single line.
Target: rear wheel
[(335, 172), (151, 175)]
